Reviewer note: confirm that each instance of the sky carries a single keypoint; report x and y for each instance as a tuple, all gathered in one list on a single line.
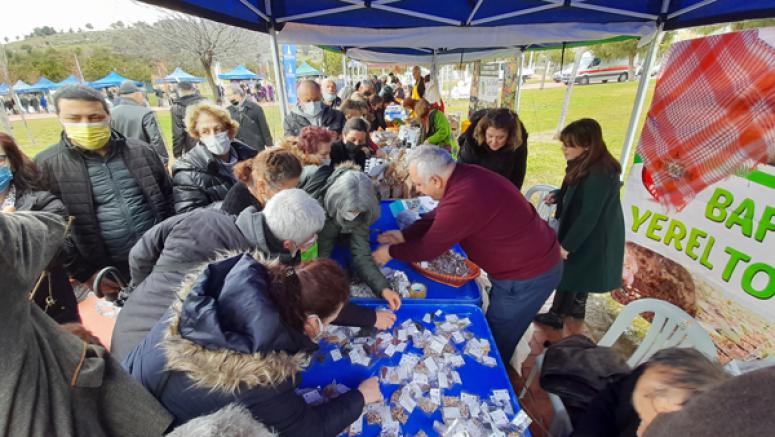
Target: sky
[(64, 14)]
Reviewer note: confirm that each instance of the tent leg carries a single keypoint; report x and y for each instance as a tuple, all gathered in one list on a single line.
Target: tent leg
[(520, 73), (435, 73), (278, 73), (344, 70), (640, 99), (568, 92)]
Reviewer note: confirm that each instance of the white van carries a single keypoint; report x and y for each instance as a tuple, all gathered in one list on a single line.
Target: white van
[(593, 69)]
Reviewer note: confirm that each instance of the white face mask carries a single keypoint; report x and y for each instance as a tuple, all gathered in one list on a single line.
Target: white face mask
[(350, 215), (218, 144), (312, 108), (328, 97)]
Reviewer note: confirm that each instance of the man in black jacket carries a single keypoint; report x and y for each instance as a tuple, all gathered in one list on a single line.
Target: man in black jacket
[(311, 111), (116, 188), (181, 140), (253, 128)]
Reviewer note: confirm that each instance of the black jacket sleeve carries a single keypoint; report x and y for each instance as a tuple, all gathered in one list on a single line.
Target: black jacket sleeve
[(288, 414), (187, 193), (145, 253), (238, 198), (520, 167), (164, 181), (179, 144), (356, 315), (610, 413)]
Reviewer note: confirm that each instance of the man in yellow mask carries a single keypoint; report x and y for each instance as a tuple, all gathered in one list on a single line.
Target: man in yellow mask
[(116, 188)]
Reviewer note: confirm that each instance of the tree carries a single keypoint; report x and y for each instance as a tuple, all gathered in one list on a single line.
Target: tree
[(43, 31), (6, 39), (206, 40), (619, 50), (89, 26), (332, 63), (117, 25)]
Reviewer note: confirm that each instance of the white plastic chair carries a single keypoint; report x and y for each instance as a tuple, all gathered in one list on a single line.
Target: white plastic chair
[(671, 327), (544, 211)]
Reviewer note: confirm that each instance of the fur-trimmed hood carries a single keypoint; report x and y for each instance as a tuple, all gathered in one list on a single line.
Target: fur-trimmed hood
[(224, 332)]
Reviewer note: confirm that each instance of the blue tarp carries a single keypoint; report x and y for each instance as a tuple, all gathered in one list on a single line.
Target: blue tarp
[(70, 80), (44, 83), (316, 21), (240, 72), (111, 80), (181, 76)]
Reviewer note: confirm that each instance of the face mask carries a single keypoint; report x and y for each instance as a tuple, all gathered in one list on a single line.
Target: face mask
[(325, 161), (352, 146), (234, 102), (218, 144), (312, 108), (350, 215), (328, 97), (321, 326), (310, 254), (6, 176), (89, 136)]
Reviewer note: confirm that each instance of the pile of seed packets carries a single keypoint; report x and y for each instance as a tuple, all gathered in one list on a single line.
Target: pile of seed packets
[(431, 352), (398, 280)]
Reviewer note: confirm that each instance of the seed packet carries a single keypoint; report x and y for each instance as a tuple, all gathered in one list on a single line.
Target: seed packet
[(356, 428)]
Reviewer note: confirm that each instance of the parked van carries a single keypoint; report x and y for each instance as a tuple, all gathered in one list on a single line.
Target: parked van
[(593, 69)]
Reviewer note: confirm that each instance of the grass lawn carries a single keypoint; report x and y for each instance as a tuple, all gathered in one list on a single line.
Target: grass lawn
[(610, 104)]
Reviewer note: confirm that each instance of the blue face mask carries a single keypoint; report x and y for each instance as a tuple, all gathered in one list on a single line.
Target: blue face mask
[(6, 176)]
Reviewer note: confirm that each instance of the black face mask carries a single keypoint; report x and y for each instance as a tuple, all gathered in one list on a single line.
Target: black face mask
[(352, 146), (234, 102)]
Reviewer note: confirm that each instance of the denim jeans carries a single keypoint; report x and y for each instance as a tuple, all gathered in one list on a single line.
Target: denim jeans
[(513, 304)]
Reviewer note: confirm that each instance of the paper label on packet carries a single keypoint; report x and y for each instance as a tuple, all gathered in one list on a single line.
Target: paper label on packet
[(312, 397), (501, 394), (499, 417), (435, 395), (391, 350), (451, 413), (336, 355), (407, 402), (437, 346), (420, 378), (403, 335), (430, 364), (443, 382), (489, 361), (401, 347), (357, 426), (458, 338), (438, 313), (427, 318)]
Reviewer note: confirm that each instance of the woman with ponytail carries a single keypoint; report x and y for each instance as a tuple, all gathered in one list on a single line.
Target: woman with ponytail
[(258, 179), (241, 332)]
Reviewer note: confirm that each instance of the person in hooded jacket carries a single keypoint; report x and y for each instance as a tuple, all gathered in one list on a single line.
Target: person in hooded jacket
[(354, 144), (286, 228), (497, 141), (205, 174), (270, 172), (21, 190), (351, 205), (241, 332), (311, 111)]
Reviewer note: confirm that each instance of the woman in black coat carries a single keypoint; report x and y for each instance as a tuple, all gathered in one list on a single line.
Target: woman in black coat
[(497, 141), (21, 190), (241, 333), (204, 174), (354, 145)]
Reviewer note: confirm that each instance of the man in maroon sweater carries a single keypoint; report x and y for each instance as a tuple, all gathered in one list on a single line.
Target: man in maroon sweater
[(498, 229)]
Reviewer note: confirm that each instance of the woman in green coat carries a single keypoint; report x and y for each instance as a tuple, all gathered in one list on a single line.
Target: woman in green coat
[(591, 231)]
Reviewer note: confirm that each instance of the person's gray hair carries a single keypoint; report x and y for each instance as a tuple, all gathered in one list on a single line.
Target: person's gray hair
[(81, 93), (687, 369), (294, 215), (328, 79), (352, 191), (236, 89), (430, 161)]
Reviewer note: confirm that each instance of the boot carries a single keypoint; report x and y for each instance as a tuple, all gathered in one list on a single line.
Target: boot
[(578, 308), (553, 318)]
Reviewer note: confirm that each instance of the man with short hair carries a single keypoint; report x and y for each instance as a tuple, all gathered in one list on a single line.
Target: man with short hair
[(330, 98), (253, 128), (188, 95), (495, 225), (116, 187), (311, 111), (134, 119)]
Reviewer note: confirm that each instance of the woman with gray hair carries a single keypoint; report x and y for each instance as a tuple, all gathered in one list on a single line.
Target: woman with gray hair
[(351, 207)]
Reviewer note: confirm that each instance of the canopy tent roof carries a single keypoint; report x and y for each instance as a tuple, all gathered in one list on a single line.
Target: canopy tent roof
[(111, 80), (70, 80), (181, 76), (456, 24), (240, 72), (3, 88), (306, 70), (44, 83), (20, 87)]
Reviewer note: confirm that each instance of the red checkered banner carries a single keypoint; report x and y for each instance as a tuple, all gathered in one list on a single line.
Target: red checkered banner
[(713, 113)]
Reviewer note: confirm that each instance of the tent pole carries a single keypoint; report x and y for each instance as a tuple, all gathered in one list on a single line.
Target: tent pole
[(344, 69), (520, 73), (568, 91), (640, 99), (278, 72), (435, 73)]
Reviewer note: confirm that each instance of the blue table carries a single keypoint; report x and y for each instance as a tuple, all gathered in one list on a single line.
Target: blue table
[(437, 292), (476, 378)]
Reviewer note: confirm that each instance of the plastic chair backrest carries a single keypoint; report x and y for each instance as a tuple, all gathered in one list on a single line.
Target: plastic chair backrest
[(544, 211), (671, 327)]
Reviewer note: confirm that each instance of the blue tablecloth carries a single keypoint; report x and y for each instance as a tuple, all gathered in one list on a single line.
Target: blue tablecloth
[(437, 292), (476, 378)]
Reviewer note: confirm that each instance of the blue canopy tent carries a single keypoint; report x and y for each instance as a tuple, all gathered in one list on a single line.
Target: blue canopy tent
[(3, 88), (111, 80), (181, 76), (306, 70), (44, 84), (20, 87), (239, 72), (470, 24), (70, 80)]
